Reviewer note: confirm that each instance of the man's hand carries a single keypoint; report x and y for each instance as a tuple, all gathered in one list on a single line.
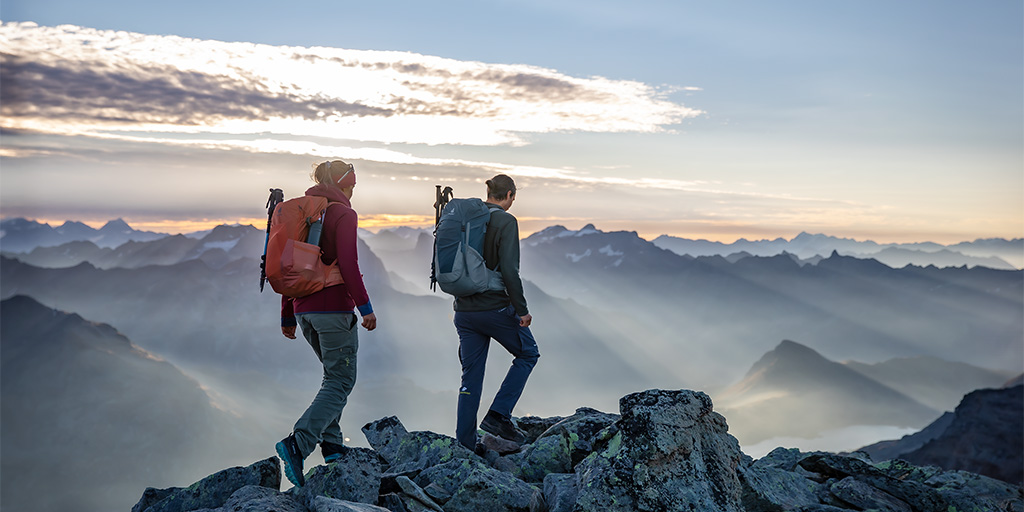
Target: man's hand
[(289, 332), (370, 322), (525, 320)]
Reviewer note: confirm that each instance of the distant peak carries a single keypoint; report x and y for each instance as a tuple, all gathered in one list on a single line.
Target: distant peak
[(118, 224), (793, 347)]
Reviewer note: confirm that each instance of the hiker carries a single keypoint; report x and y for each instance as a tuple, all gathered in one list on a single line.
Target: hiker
[(328, 322), (498, 314)]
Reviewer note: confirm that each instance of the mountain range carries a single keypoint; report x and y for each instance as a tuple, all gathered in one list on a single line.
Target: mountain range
[(87, 411), (613, 313), (23, 235), (990, 252)]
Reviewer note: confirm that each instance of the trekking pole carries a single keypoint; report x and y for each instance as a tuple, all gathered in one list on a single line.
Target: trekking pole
[(441, 198), (276, 198)]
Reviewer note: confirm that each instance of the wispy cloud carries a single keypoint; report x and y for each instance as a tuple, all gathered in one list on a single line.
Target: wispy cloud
[(74, 80)]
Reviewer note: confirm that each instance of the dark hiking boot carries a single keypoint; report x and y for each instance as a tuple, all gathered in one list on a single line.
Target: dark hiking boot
[(290, 455), (502, 427), (332, 452)]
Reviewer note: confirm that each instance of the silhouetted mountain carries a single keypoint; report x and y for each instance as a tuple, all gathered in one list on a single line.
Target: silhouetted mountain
[(985, 435), (217, 248), (897, 257), (22, 235), (794, 391), (932, 381), (705, 311), (993, 253), (88, 413)]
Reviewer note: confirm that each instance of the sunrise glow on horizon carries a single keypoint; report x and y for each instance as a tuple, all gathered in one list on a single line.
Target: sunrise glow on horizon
[(758, 126)]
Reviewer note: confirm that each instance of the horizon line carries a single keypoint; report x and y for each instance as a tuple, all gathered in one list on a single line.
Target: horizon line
[(377, 223)]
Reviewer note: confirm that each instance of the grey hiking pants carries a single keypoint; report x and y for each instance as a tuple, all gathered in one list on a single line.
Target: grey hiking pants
[(334, 338)]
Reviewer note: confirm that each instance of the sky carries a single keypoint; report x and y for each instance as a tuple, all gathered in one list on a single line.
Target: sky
[(889, 121)]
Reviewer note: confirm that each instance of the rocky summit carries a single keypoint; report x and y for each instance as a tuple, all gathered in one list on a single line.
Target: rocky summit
[(664, 451)]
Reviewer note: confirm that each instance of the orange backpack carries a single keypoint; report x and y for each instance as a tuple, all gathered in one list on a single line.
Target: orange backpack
[(293, 264)]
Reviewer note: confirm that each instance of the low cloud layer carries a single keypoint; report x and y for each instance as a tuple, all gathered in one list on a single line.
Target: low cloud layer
[(77, 80)]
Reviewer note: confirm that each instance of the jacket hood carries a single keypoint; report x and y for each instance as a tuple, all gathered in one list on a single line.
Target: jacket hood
[(332, 193)]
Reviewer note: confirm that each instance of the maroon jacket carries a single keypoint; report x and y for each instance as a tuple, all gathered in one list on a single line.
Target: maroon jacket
[(338, 241)]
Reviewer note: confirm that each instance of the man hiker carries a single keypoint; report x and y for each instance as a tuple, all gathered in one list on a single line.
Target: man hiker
[(328, 322), (498, 314)]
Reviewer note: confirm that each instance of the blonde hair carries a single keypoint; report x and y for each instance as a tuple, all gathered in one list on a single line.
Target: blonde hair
[(330, 171)]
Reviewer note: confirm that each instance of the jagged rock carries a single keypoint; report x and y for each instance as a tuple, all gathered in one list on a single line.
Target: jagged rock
[(668, 451), (919, 496), (356, 476), (414, 491), (863, 496), (769, 488), (560, 492), (971, 491), (252, 498), (450, 475), (393, 502), (325, 504), (437, 493), (213, 491), (534, 426), (422, 450), (547, 455), (500, 445), (385, 436), (671, 453), (579, 431), (820, 508), (497, 491), (472, 484)]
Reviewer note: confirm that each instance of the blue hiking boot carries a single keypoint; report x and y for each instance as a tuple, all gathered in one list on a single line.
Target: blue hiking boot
[(332, 452), (290, 455)]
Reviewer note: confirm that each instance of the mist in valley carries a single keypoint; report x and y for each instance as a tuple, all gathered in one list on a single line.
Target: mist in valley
[(613, 314)]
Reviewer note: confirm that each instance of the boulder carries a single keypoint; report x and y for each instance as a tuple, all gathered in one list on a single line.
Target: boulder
[(252, 498), (422, 450), (325, 504), (497, 491), (385, 436), (450, 475), (547, 455), (920, 497), (355, 476), (534, 426), (971, 491), (769, 488), (671, 452), (579, 431), (560, 492), (863, 496), (415, 492), (213, 491)]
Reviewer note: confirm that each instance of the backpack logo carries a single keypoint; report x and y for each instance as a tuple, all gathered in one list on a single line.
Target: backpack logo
[(293, 263), (458, 266)]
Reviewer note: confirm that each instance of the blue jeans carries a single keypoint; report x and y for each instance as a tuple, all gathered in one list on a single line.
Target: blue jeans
[(334, 338), (476, 329)]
